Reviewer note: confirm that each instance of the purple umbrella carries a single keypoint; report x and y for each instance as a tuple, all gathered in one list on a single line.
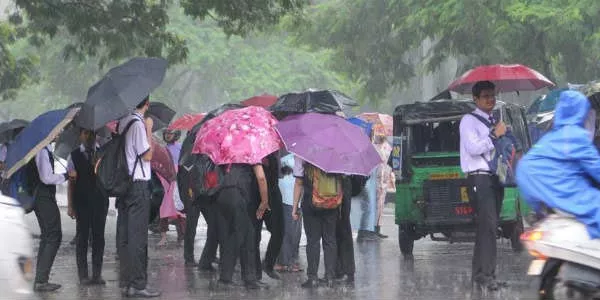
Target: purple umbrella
[(329, 142)]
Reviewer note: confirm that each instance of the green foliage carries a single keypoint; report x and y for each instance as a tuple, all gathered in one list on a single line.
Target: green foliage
[(14, 71), (373, 40), (111, 30), (219, 69)]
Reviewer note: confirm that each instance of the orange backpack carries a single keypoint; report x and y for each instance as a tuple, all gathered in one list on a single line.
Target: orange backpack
[(327, 188)]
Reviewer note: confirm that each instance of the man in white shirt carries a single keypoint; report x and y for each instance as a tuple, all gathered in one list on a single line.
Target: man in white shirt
[(48, 217), (485, 192), (134, 209)]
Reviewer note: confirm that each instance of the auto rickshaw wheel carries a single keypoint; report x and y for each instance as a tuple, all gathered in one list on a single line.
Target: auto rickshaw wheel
[(513, 231), (406, 239)]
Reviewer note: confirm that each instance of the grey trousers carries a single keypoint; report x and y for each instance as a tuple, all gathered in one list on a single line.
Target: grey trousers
[(291, 238), (320, 227), (132, 228), (486, 196)]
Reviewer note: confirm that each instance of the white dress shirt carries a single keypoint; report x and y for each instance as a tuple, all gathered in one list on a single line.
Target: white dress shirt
[(46, 170)]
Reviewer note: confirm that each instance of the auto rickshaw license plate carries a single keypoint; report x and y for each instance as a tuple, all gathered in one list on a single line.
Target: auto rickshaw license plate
[(464, 194), (536, 267)]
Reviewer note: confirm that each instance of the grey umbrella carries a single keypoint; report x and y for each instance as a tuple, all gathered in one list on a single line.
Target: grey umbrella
[(120, 90), (9, 130)]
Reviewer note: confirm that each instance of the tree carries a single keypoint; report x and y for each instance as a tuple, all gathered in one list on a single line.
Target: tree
[(373, 39), (218, 69), (114, 29), (14, 71), (126, 28)]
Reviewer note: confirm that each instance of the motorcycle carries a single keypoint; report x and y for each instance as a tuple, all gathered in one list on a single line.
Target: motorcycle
[(566, 259)]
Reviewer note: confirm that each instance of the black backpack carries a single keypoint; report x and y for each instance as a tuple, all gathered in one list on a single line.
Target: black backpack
[(199, 178), (358, 184), (111, 168)]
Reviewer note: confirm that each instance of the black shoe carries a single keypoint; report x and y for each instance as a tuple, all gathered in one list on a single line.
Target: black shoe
[(97, 281), (145, 293), (348, 279), (310, 284), (490, 285), (191, 263), (208, 268), (252, 285), (223, 285), (365, 235), (73, 241), (46, 287), (124, 291), (84, 281), (271, 273), (379, 234)]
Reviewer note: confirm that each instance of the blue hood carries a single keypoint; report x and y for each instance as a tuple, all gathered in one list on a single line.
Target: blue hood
[(572, 109), (561, 168)]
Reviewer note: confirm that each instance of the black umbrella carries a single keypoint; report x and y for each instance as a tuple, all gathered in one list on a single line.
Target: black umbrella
[(325, 101), (161, 114), (120, 90), (68, 140), (9, 130)]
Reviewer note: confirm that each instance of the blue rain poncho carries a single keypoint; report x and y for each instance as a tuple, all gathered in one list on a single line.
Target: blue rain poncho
[(560, 169)]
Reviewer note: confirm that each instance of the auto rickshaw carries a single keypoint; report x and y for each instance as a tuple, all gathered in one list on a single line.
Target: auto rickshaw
[(431, 190)]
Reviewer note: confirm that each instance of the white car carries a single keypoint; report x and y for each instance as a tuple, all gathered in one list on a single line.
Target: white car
[(16, 250)]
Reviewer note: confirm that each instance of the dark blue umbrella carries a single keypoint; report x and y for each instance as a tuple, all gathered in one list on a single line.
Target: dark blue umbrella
[(37, 135), (120, 90), (364, 125)]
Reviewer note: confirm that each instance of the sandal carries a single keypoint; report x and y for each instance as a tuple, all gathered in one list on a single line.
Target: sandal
[(279, 268), (295, 268)]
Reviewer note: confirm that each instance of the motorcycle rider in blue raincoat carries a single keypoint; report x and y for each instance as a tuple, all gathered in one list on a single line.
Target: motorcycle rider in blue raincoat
[(561, 169)]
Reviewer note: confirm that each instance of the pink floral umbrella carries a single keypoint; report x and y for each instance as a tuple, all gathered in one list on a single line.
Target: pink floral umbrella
[(243, 136)]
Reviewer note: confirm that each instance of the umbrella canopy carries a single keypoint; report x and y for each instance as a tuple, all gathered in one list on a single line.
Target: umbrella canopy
[(161, 162), (188, 142), (239, 136), (37, 135), (312, 101), (120, 90), (329, 142), (264, 100), (382, 124), (364, 125), (187, 121), (507, 78), (9, 130), (161, 115)]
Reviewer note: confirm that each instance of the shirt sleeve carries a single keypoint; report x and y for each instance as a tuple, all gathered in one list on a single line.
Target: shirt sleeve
[(70, 164), (298, 169), (473, 143), (139, 138), (47, 176)]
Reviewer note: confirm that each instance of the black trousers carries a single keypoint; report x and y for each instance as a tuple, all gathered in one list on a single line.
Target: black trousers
[(236, 234), (320, 226), (486, 196), (345, 244), (48, 217), (91, 215), (274, 222), (132, 223), (209, 211)]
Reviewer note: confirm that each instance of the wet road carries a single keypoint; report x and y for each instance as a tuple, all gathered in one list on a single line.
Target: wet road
[(439, 271)]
